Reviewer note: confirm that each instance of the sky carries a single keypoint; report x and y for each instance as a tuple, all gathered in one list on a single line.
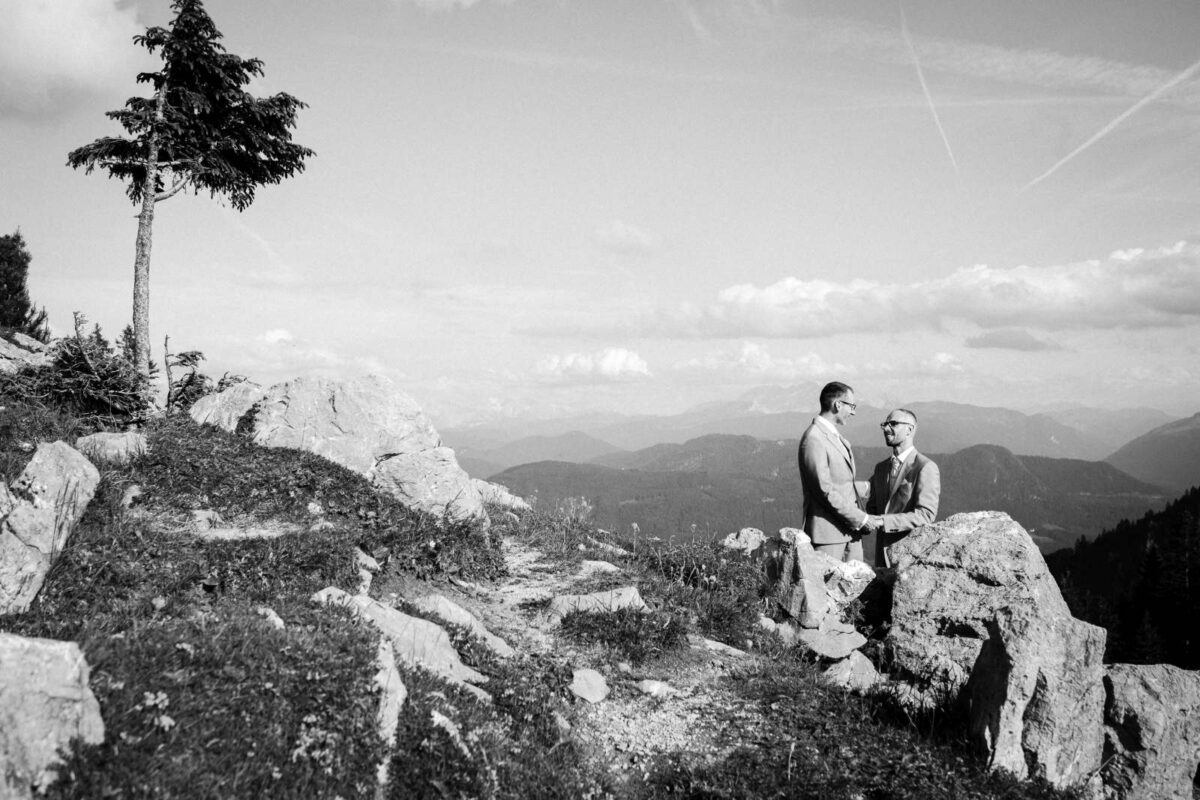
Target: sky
[(539, 208)]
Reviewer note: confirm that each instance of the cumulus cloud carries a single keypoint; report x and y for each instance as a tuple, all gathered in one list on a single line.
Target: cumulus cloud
[(621, 237), (609, 364), (1011, 339), (54, 52), (753, 360), (1129, 289), (277, 354)]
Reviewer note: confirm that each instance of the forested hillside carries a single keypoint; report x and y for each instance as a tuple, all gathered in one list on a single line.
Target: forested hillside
[(1141, 581)]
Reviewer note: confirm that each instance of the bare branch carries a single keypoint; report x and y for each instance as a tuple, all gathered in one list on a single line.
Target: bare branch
[(174, 190)]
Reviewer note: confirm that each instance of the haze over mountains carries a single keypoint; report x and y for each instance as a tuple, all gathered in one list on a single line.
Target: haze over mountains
[(723, 466)]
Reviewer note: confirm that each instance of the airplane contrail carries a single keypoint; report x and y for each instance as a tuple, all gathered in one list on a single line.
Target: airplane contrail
[(925, 88), (1107, 129)]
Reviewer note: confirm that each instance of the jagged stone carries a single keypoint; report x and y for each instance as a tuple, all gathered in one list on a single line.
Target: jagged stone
[(834, 640), (855, 673), (355, 423), (597, 602), (416, 641), (112, 448), (497, 495), (589, 685), (368, 567), (1152, 732), (271, 616), (392, 694), (22, 351), (457, 615), (589, 568), (713, 646), (45, 702), (813, 586), (1037, 698), (37, 516), (432, 481), (746, 541), (226, 409), (950, 580)]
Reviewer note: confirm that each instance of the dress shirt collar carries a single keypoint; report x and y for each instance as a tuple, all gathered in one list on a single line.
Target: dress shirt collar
[(904, 454)]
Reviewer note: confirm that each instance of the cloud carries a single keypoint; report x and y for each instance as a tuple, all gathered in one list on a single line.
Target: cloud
[(1128, 290), (277, 354), (753, 360), (1011, 339), (623, 238), (609, 364), (52, 53)]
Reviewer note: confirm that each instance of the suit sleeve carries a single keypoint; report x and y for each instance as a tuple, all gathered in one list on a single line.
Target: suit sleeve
[(876, 499), (839, 498), (927, 489)]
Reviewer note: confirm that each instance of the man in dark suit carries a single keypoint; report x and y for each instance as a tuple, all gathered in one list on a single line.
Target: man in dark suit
[(833, 517), (904, 488)]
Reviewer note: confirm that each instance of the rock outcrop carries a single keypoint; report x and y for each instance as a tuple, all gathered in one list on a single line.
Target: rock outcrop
[(45, 702), (366, 424), (1152, 733), (1037, 698), (814, 589), (497, 495), (112, 448), (950, 580), (37, 517), (19, 350)]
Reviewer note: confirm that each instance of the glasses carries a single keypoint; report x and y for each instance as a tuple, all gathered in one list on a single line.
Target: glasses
[(853, 406), (891, 423)]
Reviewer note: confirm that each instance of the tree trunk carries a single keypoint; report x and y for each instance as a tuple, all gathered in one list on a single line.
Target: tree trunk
[(141, 261)]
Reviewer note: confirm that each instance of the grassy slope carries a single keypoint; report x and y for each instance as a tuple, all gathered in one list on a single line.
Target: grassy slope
[(201, 698)]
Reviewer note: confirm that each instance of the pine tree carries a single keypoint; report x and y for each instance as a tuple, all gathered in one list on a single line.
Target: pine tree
[(199, 130), (16, 310)]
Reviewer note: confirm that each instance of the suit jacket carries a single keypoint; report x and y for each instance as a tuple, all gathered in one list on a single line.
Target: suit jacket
[(909, 503), (831, 500)]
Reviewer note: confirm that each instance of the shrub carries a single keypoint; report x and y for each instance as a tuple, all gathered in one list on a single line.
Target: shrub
[(631, 634)]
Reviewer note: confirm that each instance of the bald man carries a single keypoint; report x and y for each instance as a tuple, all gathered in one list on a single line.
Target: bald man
[(904, 488)]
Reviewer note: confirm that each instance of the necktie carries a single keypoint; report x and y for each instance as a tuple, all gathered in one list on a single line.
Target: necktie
[(894, 469)]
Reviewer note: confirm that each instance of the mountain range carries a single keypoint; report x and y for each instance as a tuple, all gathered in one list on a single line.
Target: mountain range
[(719, 483), (775, 413)]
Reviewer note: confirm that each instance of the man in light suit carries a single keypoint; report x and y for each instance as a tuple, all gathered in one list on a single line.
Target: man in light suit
[(904, 488), (833, 518)]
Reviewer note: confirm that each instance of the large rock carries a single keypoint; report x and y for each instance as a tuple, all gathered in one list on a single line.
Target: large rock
[(227, 408), (455, 614), (432, 481), (1152, 734), (45, 702), (497, 495), (595, 603), (19, 350), (366, 424), (415, 641), (746, 541), (356, 423), (1037, 696), (37, 517), (950, 580), (112, 448), (812, 586)]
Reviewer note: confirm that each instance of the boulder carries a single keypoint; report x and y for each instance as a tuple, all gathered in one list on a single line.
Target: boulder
[(37, 517), (416, 641), (950, 580), (497, 495), (746, 541), (356, 423), (457, 615), (589, 685), (1036, 696), (1152, 732), (432, 481), (19, 351), (226, 409), (854, 673), (371, 427), (834, 640), (597, 602), (812, 586), (45, 702), (112, 448)]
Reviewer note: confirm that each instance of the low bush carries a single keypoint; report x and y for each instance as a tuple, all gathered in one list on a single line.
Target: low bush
[(630, 634)]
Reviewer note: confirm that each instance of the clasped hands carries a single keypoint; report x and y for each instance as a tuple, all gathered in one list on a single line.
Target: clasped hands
[(874, 524)]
